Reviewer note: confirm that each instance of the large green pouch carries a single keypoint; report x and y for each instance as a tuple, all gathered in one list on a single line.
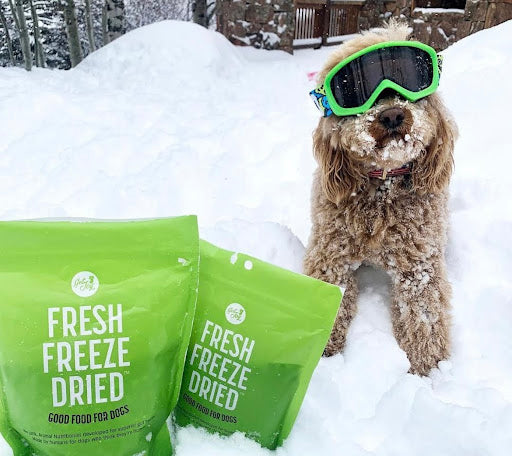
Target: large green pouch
[(258, 334), (95, 319)]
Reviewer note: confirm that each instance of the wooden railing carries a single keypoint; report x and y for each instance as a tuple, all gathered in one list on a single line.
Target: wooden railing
[(309, 21), (317, 22), (343, 19)]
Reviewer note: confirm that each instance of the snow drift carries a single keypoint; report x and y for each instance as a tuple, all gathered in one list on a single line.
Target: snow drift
[(172, 119)]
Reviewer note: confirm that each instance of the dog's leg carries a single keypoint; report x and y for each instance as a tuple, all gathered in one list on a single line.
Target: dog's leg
[(421, 313), (345, 315), (337, 272)]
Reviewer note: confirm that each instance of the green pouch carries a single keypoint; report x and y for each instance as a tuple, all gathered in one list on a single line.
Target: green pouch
[(258, 334), (95, 319)]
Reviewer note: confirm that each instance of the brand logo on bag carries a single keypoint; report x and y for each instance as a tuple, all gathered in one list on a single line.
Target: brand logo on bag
[(85, 284), (235, 313)]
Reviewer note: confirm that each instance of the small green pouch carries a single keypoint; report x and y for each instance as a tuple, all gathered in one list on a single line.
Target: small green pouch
[(258, 334), (95, 319)]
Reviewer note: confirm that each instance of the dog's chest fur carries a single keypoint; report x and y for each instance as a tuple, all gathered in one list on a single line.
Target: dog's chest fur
[(376, 201), (384, 217)]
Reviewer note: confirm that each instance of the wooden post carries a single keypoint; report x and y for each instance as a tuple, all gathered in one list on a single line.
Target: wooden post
[(327, 18)]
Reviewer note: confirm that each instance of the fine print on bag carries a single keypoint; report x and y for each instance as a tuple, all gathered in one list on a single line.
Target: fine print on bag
[(95, 322), (258, 334)]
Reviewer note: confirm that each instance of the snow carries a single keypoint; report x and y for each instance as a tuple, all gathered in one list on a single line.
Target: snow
[(340, 38), (306, 41), (438, 10), (330, 40), (172, 119), (395, 152)]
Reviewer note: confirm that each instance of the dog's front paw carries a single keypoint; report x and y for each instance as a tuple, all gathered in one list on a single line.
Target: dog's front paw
[(426, 344), (426, 358)]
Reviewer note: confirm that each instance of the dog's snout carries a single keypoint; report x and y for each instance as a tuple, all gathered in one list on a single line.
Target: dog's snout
[(392, 117)]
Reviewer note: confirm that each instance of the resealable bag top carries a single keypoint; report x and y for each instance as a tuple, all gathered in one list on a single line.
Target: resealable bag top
[(95, 319), (258, 334)]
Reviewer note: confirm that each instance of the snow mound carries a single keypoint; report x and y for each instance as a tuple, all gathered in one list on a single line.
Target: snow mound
[(475, 84), (175, 51), (469, 54), (209, 129)]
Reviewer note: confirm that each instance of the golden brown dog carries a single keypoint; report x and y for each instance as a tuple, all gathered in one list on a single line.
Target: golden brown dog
[(398, 224)]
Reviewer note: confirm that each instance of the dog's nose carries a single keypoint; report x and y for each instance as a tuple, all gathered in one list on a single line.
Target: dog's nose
[(392, 117)]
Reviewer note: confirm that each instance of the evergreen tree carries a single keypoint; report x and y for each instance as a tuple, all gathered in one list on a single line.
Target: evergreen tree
[(53, 33), (59, 33), (140, 13), (8, 41)]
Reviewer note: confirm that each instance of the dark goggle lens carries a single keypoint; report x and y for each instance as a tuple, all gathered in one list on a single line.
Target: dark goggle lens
[(409, 67)]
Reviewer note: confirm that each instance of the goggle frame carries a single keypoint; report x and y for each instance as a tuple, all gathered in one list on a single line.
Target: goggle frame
[(326, 102)]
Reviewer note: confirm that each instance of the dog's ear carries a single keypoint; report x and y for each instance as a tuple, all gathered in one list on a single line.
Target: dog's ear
[(339, 176), (433, 170)]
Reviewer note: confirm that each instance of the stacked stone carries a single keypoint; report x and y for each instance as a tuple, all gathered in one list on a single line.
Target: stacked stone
[(270, 24), (398, 8), (482, 14), (263, 24), (371, 14), (437, 29)]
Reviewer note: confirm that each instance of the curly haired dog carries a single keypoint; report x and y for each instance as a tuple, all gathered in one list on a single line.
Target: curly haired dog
[(398, 224)]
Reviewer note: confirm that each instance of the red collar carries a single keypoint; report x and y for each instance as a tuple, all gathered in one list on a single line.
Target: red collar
[(383, 174)]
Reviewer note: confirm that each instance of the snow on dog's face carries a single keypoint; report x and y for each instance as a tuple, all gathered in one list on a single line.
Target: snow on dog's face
[(379, 147), (347, 148)]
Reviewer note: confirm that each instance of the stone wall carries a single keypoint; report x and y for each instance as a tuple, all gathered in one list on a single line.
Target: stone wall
[(480, 14), (399, 8), (263, 24), (270, 24), (437, 29), (371, 14), (441, 28)]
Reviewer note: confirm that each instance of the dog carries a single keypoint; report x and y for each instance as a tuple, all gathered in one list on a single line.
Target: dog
[(396, 223)]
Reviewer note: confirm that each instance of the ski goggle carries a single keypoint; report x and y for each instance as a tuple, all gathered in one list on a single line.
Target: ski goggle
[(409, 68)]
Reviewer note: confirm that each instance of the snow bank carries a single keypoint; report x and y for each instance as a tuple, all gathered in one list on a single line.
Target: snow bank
[(180, 53), (172, 119), (195, 134)]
